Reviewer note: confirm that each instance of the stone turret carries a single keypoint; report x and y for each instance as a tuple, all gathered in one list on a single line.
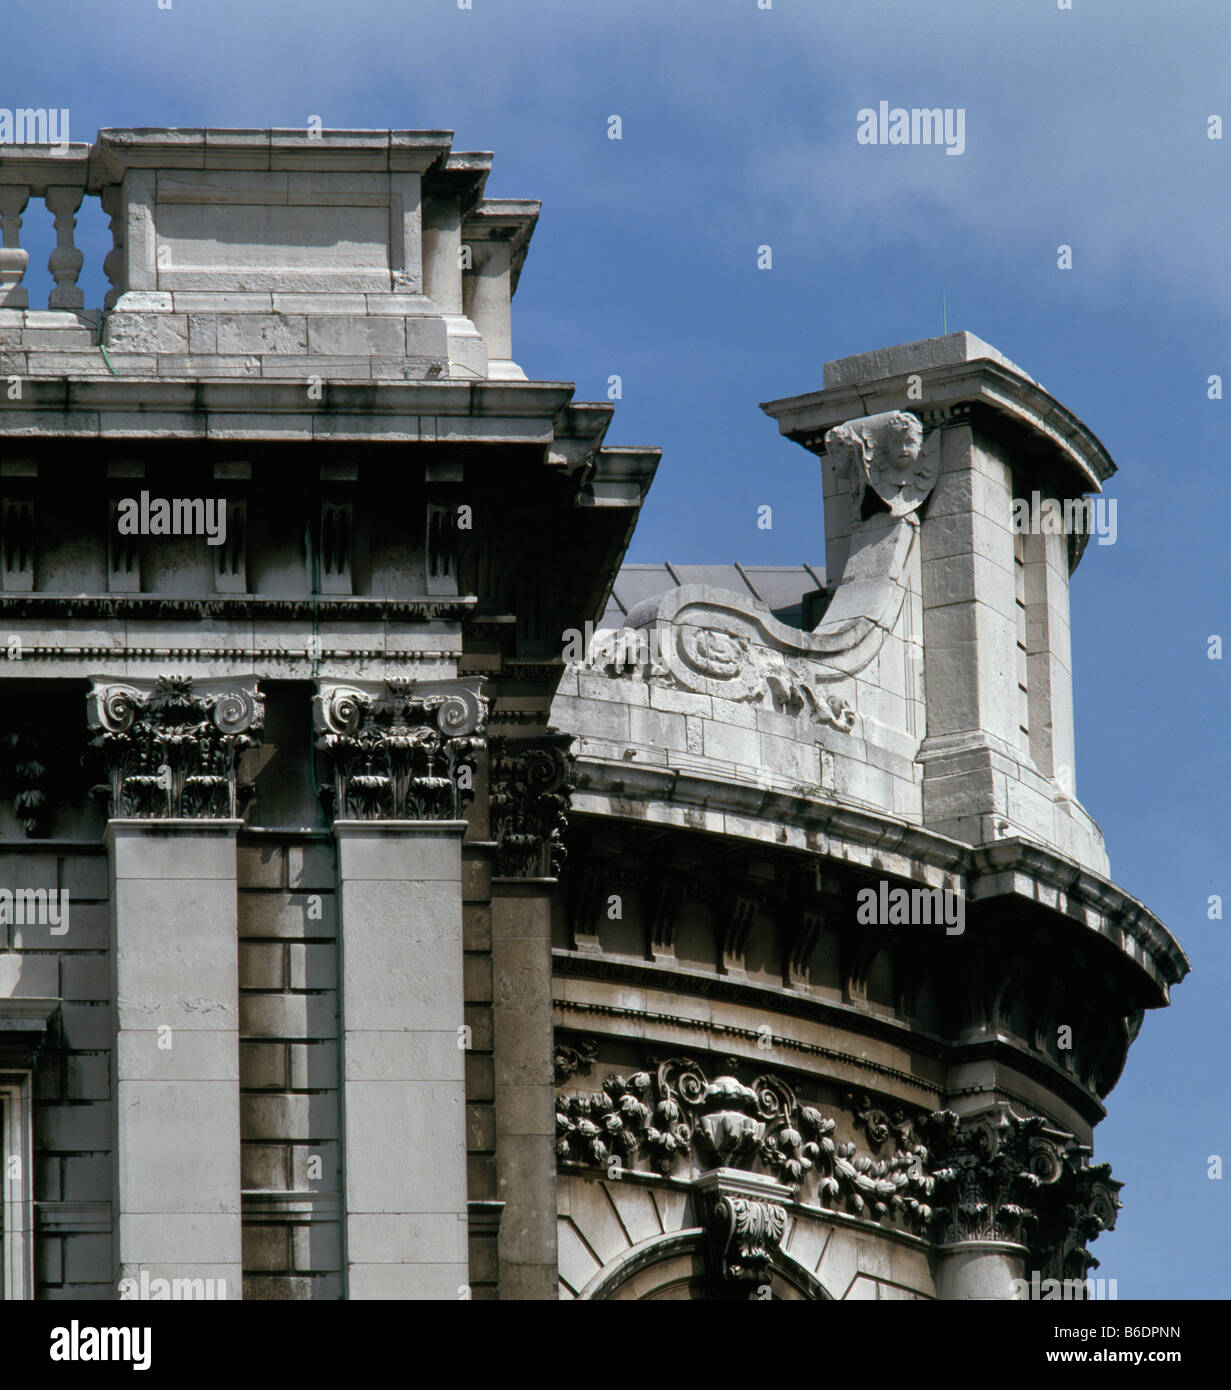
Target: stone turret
[(839, 938), (987, 677)]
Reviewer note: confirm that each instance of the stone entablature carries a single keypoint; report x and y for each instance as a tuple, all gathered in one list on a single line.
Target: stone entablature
[(789, 833)]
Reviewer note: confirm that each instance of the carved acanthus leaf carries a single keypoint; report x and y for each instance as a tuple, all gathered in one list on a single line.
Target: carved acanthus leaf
[(1003, 1176), (572, 1061), (400, 750), (747, 1231), (530, 787), (172, 748)]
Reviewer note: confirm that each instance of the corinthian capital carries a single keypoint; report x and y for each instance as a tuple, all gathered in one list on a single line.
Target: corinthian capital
[(1003, 1176), (400, 750), (531, 782), (171, 747)]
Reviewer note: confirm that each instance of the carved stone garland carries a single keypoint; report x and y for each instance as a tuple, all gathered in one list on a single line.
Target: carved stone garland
[(400, 750), (24, 771), (570, 1061), (996, 1176), (530, 788), (172, 749), (678, 1114)]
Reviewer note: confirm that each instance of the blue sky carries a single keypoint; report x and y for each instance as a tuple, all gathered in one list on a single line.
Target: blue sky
[(1085, 127)]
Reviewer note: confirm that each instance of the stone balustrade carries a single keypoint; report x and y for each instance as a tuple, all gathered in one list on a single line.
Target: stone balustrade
[(60, 180), (323, 254)]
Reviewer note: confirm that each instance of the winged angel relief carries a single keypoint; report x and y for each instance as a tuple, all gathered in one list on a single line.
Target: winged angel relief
[(715, 642)]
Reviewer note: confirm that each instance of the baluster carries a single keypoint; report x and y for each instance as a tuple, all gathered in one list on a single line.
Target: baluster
[(65, 260), (113, 261), (13, 260)]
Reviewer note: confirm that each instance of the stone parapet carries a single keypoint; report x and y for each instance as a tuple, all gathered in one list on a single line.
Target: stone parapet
[(305, 254)]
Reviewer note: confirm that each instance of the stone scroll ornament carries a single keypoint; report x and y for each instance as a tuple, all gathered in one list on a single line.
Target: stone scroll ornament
[(1004, 1176), (399, 750), (745, 1233), (715, 642), (171, 747)]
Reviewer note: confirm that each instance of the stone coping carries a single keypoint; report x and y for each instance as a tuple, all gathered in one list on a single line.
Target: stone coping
[(117, 149), (196, 398)]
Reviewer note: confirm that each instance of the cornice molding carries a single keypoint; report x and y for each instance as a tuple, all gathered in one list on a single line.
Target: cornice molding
[(950, 388), (109, 606), (1012, 868), (681, 981)]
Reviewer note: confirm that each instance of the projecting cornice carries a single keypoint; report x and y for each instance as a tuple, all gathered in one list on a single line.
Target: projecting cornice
[(504, 219), (431, 608), (772, 1001), (148, 407), (942, 388), (1019, 868), (786, 822), (356, 151)]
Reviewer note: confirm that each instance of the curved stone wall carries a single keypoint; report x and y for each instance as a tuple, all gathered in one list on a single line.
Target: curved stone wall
[(841, 983)]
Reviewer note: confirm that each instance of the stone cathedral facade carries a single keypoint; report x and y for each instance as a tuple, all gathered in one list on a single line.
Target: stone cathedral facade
[(402, 899)]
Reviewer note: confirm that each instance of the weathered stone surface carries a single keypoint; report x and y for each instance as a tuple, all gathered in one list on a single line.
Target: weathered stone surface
[(435, 906)]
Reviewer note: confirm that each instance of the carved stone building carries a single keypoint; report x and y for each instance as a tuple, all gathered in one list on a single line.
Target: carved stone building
[(370, 934)]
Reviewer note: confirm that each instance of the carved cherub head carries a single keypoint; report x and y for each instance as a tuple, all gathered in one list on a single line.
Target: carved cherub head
[(887, 453)]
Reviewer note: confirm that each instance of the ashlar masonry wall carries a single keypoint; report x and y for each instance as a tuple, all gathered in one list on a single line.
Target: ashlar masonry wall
[(288, 1065), (67, 972)]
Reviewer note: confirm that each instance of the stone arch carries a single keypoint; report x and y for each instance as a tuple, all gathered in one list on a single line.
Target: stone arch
[(673, 1267)]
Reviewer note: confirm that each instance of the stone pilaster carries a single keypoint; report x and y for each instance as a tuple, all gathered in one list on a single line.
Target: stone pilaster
[(170, 751), (400, 758), (530, 786), (977, 725)]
